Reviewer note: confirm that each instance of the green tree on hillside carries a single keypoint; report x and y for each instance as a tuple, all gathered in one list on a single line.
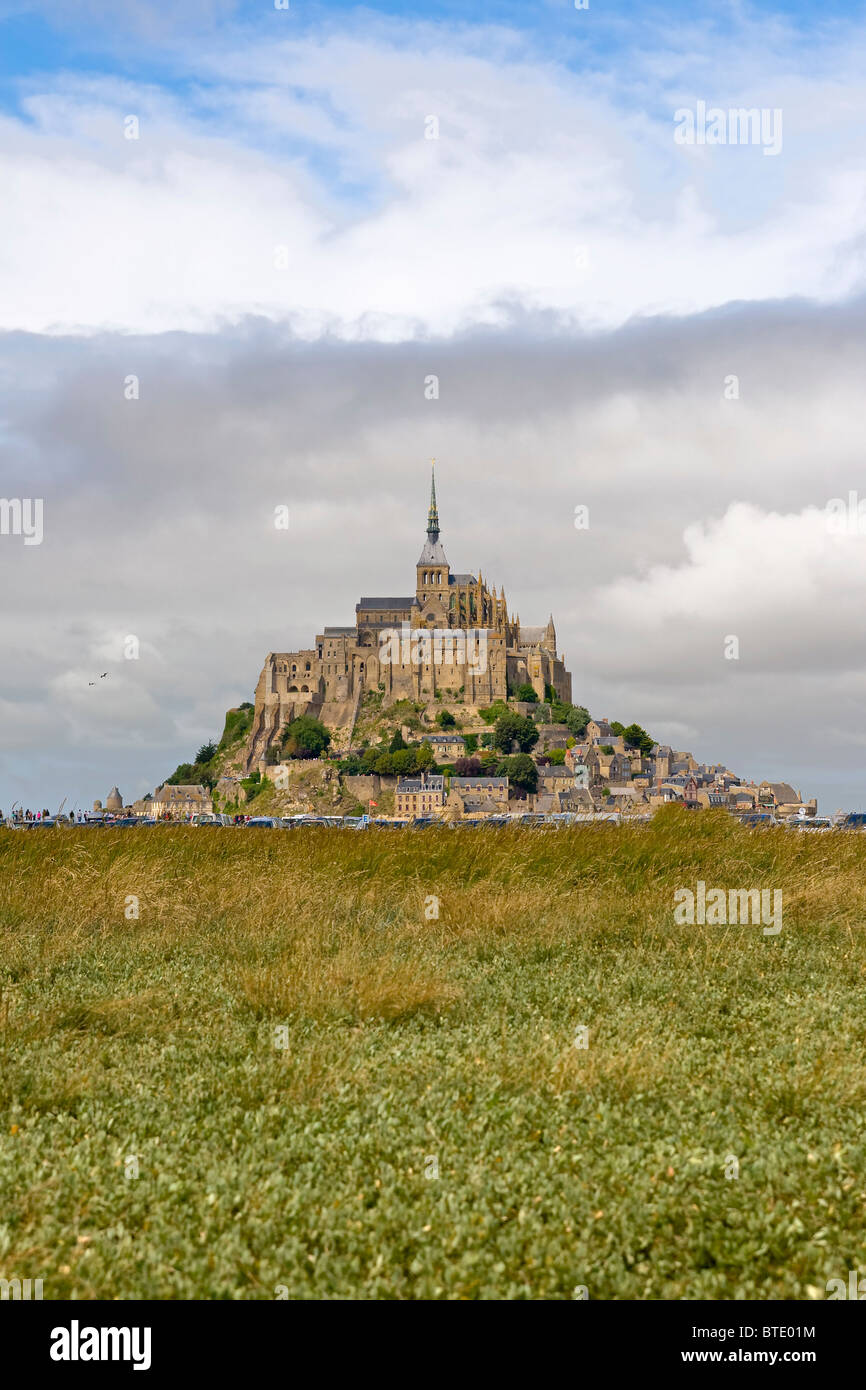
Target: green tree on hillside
[(238, 724), (305, 737), (574, 716), (636, 737), (520, 771), (403, 762), (424, 757), (514, 728), (494, 711), (526, 693)]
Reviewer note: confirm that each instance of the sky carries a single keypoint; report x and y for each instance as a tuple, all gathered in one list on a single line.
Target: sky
[(237, 242)]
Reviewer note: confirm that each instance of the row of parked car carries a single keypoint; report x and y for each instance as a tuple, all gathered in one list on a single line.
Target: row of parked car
[(855, 820), (420, 823)]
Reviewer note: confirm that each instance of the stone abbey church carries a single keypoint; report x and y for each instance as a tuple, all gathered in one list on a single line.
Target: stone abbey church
[(477, 651)]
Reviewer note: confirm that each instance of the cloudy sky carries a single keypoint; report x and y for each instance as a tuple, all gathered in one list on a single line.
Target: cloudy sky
[(283, 222)]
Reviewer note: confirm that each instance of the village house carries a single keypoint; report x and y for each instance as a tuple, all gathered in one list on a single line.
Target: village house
[(627, 799), (419, 796), (607, 768), (555, 778), (446, 747), (179, 803), (576, 756), (476, 805), (599, 731), (494, 787)]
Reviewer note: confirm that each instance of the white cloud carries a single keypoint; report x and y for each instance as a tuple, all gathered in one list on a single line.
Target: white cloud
[(317, 145), (787, 586)]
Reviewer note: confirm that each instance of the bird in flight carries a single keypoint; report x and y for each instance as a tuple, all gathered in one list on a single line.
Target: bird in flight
[(104, 674)]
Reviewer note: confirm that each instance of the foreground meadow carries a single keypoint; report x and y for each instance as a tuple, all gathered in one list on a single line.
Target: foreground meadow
[(286, 1076)]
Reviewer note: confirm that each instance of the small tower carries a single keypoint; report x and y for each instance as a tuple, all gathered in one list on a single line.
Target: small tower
[(550, 636)]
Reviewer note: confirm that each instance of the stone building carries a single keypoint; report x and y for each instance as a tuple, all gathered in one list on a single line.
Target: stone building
[(495, 788), (453, 637), (180, 802), (446, 747), (419, 796)]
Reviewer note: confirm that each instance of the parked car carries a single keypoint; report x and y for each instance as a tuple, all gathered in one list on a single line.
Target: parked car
[(264, 823)]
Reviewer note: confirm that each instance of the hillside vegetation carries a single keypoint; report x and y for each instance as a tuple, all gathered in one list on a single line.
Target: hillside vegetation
[(330, 1091)]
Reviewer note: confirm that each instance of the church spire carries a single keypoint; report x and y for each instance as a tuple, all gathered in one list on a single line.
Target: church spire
[(432, 513)]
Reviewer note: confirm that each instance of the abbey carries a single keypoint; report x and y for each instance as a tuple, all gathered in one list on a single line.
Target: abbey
[(452, 638)]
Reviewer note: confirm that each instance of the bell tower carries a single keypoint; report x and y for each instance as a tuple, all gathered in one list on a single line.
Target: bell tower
[(432, 570)]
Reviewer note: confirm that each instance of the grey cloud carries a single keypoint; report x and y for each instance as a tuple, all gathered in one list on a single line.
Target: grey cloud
[(159, 521)]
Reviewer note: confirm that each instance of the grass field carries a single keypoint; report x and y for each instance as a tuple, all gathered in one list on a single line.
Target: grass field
[(288, 1046)]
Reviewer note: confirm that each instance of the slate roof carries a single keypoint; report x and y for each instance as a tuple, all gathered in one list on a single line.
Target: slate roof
[(414, 784), (385, 603), (433, 554), (461, 784)]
